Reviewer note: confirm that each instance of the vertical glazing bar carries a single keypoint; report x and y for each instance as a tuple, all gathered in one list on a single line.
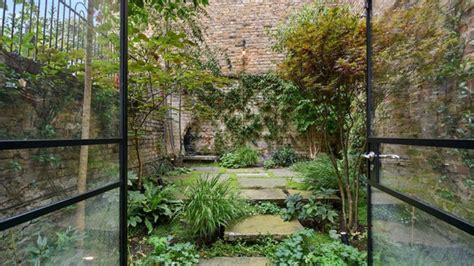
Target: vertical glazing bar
[(37, 28), (368, 10), (45, 22), (57, 26), (13, 25), (22, 14), (51, 23), (123, 131)]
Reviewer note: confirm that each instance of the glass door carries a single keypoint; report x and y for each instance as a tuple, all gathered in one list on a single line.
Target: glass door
[(420, 132), (63, 132)]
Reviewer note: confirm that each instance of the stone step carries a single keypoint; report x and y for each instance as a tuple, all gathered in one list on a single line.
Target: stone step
[(260, 225), (258, 182), (267, 194), (282, 172), (230, 261), (247, 170), (205, 169), (252, 175), (308, 194), (201, 158)]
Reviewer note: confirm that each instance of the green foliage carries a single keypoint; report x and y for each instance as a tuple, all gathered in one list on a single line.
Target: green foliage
[(242, 157), (252, 106), (212, 204), (265, 208), (43, 251), (284, 156), (269, 164), (318, 173), (152, 206), (325, 48), (294, 204), (300, 249), (261, 247), (311, 210), (165, 253)]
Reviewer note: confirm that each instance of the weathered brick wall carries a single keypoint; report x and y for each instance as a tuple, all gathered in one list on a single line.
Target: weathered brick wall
[(241, 29)]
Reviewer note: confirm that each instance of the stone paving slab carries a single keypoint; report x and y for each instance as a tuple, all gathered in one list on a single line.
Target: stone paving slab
[(252, 175), (212, 158), (252, 227), (230, 261), (255, 182), (297, 179), (210, 169), (269, 194), (247, 170), (307, 194), (282, 172)]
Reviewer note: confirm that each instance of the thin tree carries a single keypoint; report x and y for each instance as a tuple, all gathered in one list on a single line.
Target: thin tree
[(86, 116)]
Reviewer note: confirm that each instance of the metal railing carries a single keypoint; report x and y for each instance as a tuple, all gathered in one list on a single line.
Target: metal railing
[(29, 27)]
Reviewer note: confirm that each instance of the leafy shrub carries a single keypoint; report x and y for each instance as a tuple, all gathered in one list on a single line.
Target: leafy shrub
[(318, 173), (269, 164), (299, 249), (166, 254), (242, 157), (156, 204), (284, 156), (310, 211), (211, 204)]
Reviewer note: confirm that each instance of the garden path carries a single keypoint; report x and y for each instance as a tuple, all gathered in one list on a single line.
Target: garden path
[(257, 185)]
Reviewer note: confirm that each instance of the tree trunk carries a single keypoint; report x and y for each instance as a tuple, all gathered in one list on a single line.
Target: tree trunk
[(179, 125), (86, 116)]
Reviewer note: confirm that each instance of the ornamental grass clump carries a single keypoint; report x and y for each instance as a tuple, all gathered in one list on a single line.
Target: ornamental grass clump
[(212, 204)]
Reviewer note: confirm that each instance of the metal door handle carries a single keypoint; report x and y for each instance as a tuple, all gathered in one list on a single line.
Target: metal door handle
[(389, 156), (371, 156)]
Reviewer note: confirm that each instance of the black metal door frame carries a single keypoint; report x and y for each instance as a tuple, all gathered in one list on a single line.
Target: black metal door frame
[(374, 144), (122, 141)]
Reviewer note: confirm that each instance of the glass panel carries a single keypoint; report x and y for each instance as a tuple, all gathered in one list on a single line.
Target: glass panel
[(404, 235), (45, 60), (422, 71), (441, 177), (35, 177), (68, 236)]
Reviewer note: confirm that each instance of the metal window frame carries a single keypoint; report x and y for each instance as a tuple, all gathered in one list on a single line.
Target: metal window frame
[(374, 144), (122, 141)]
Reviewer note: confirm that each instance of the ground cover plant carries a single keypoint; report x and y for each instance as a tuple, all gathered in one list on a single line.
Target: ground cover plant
[(164, 252), (307, 248)]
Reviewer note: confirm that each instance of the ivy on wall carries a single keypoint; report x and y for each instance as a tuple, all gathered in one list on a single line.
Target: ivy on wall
[(251, 109)]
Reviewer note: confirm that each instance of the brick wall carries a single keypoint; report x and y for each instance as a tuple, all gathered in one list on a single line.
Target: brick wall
[(231, 23)]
